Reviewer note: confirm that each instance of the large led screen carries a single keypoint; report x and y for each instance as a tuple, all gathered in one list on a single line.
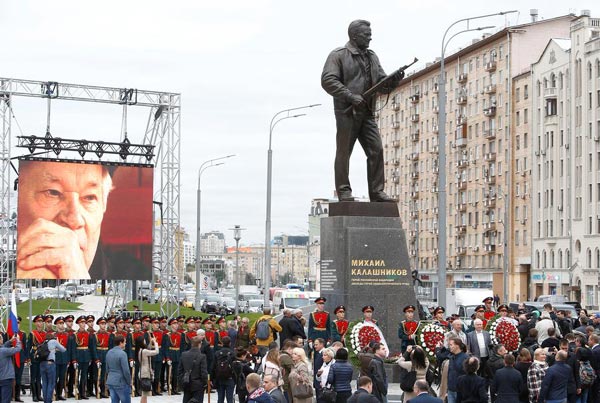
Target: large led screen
[(84, 221)]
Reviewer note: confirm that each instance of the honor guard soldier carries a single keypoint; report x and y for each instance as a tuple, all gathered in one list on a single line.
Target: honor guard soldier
[(222, 324), (121, 331), (102, 344), (489, 312), (93, 368), (181, 321), (212, 336), (22, 357), (69, 320), (173, 355), (368, 314), (83, 356), (164, 328), (110, 324), (319, 323), (479, 314), (36, 337), (190, 333), (408, 328), (340, 324), (158, 359), (48, 320), (145, 323), (438, 317), (62, 360), (137, 332)]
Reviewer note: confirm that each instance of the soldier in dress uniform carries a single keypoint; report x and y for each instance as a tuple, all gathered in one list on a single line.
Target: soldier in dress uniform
[(22, 359), (408, 328), (367, 311), (164, 328), (489, 311), (137, 332), (223, 331), (319, 323), (479, 314), (212, 336), (93, 368), (157, 360), (69, 320), (61, 359), (48, 320), (438, 317), (181, 321), (36, 337), (102, 343), (340, 324), (174, 353), (110, 324), (146, 323), (83, 355), (189, 334)]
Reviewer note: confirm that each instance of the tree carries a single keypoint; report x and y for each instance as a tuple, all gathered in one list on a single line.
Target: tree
[(220, 276), (250, 279)]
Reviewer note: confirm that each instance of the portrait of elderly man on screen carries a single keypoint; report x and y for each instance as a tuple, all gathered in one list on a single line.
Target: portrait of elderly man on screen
[(60, 213)]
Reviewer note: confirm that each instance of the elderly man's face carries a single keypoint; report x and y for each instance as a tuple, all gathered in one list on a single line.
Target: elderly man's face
[(61, 206)]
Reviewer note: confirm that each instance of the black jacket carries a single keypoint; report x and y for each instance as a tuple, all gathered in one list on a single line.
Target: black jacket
[(362, 396), (507, 385), (289, 328), (471, 389), (340, 376), (379, 377), (199, 373)]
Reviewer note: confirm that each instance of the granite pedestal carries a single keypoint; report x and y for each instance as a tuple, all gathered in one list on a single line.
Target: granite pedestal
[(364, 261)]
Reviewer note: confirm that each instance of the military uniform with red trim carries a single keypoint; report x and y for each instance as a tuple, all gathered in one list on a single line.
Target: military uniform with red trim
[(103, 338), (408, 328), (319, 322), (173, 352), (339, 325), (83, 356), (36, 337)]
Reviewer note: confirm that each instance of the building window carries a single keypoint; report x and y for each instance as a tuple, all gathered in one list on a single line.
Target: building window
[(525, 91)]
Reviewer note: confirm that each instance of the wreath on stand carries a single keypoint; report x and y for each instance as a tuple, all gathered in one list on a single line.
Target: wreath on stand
[(428, 337), (504, 332), (358, 336)]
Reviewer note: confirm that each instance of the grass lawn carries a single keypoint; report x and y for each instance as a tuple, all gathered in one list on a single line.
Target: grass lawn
[(40, 305)]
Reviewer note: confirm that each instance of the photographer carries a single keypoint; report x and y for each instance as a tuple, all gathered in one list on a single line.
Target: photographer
[(142, 357), (241, 369), (7, 369)]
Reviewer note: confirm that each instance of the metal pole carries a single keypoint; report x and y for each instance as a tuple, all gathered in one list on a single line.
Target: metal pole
[(442, 241), (267, 273), (237, 235), (205, 165)]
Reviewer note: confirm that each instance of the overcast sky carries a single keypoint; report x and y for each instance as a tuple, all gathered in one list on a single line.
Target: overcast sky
[(236, 63)]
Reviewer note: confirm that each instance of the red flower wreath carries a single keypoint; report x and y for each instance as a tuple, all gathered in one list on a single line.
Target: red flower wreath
[(506, 333), (367, 334)]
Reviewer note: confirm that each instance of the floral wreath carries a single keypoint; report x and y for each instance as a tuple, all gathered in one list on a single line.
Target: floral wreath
[(358, 336), (428, 337), (504, 332)]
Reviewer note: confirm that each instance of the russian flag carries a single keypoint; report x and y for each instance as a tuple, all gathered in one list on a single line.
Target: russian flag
[(13, 327)]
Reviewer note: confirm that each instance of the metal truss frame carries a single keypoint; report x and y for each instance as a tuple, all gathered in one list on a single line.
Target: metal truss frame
[(163, 131)]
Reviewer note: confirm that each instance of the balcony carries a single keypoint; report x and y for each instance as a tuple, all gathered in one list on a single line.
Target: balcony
[(414, 117), (396, 161), (489, 157), (490, 89), (414, 195), (414, 136), (434, 189), (461, 120), (435, 149), (490, 179), (435, 129), (489, 134), (395, 106), (490, 112), (414, 175), (489, 248), (396, 143), (490, 66), (461, 229), (395, 125), (461, 250), (462, 163), (457, 263), (462, 78), (436, 210), (414, 156), (461, 207), (550, 92), (415, 98), (436, 109), (489, 203), (489, 226), (461, 185), (461, 99)]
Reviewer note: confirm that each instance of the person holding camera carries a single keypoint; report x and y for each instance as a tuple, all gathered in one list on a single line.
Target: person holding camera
[(143, 353), (7, 369)]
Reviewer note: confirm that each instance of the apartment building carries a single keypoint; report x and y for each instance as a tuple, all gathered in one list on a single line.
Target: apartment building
[(565, 139), (481, 160)]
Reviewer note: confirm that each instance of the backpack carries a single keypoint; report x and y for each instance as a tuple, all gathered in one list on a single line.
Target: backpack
[(223, 370), (42, 352), (263, 330), (239, 376), (586, 373)]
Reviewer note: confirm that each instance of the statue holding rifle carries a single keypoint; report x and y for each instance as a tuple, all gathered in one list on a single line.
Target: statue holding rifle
[(353, 76)]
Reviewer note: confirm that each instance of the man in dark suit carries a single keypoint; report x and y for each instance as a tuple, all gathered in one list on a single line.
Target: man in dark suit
[(194, 361), (593, 342), (288, 326), (478, 342), (363, 392), (423, 396), (270, 383), (318, 345), (507, 384)]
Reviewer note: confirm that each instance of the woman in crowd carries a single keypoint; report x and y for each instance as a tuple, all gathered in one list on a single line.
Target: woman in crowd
[(523, 363), (273, 365), (300, 377), (143, 353), (340, 376), (418, 363), (323, 372)]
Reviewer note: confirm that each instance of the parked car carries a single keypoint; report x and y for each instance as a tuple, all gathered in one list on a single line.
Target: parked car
[(226, 306), (253, 305), (211, 304)]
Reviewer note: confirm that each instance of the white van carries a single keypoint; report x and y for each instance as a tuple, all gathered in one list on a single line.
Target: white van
[(289, 299)]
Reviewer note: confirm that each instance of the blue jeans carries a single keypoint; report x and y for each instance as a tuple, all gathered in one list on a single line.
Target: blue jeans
[(225, 390), (583, 397), (451, 397), (6, 388), (120, 393), (48, 375)]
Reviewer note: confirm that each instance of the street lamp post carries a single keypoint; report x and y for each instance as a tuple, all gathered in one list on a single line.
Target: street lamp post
[(276, 119), (237, 235), (442, 242), (205, 165)]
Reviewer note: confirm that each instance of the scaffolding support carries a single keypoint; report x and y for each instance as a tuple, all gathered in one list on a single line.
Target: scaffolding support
[(163, 130)]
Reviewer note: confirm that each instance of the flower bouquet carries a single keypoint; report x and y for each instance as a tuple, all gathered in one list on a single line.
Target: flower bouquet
[(504, 332), (428, 337)]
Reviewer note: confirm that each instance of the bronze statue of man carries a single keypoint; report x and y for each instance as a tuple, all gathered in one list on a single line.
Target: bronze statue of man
[(348, 72)]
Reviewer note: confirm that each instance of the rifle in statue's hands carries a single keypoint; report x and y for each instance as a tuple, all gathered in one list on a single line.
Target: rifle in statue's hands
[(377, 87)]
